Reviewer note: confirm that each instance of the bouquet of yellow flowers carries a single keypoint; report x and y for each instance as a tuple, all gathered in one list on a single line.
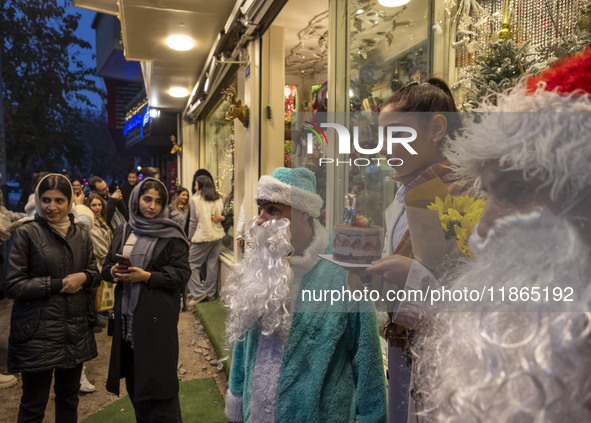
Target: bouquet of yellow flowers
[(458, 215), (427, 214)]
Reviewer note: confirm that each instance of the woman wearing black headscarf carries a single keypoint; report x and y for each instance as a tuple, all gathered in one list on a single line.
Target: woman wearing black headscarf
[(147, 304), (51, 273)]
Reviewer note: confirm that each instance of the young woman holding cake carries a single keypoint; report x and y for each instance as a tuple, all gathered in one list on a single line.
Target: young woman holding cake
[(430, 109)]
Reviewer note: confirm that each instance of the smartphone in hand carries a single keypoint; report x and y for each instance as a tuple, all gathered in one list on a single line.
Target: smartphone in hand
[(122, 260)]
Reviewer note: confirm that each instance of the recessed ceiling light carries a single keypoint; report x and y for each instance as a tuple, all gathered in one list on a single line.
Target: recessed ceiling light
[(393, 3), (180, 42), (178, 92)]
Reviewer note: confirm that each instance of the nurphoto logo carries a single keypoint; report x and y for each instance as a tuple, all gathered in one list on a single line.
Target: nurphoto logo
[(390, 135)]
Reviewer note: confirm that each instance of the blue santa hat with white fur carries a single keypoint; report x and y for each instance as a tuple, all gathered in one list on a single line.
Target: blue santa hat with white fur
[(294, 187)]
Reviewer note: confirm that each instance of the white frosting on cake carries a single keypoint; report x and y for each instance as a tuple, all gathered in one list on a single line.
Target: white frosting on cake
[(356, 244)]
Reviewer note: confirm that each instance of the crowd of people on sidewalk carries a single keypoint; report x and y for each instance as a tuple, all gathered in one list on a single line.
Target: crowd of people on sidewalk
[(58, 254), (527, 153)]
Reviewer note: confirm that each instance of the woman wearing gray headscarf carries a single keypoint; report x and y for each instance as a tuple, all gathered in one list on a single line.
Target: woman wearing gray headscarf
[(51, 273), (147, 304)]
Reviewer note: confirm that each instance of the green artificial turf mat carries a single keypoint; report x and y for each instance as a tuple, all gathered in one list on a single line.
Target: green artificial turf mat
[(212, 315), (201, 402)]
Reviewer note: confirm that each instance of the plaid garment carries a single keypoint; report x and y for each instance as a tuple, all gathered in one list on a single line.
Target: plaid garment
[(442, 170), (102, 223)]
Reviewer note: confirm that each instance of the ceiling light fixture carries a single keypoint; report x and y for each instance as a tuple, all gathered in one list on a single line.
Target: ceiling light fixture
[(178, 92), (180, 42), (393, 3)]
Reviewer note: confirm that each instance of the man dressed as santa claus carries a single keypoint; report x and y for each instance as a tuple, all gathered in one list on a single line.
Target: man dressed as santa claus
[(524, 358), (295, 361)]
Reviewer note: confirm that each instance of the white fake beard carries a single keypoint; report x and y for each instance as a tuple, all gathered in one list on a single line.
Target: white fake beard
[(490, 366), (478, 244), (257, 293)]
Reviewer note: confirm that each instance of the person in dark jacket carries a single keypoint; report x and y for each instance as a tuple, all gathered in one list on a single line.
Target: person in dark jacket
[(126, 189), (145, 344), (51, 273), (116, 209)]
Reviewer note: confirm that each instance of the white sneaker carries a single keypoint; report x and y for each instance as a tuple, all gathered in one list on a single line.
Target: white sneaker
[(7, 381), (85, 386)]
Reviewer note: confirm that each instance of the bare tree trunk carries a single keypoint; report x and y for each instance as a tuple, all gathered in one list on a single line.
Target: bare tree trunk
[(3, 175)]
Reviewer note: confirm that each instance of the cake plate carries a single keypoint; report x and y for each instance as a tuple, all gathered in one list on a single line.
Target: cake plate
[(357, 268)]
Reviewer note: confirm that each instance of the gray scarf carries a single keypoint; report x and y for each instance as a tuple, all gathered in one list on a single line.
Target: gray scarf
[(148, 231)]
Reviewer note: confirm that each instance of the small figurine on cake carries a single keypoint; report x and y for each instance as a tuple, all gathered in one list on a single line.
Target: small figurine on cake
[(357, 240), (350, 208)]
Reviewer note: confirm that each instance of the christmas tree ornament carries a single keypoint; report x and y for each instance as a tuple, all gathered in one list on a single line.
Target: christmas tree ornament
[(505, 33)]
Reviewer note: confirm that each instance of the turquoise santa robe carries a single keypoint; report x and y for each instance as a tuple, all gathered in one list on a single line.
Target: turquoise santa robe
[(330, 367)]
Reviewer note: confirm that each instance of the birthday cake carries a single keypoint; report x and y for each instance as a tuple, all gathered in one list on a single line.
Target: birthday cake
[(357, 244)]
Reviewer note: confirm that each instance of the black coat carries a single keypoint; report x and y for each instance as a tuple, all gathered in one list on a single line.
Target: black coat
[(48, 329), (115, 206), (126, 193), (155, 320)]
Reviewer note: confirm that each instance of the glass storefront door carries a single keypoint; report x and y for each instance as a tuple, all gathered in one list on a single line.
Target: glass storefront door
[(219, 161)]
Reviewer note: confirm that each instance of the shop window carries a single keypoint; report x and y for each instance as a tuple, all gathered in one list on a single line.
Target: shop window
[(389, 47), (306, 75), (290, 94), (219, 161)]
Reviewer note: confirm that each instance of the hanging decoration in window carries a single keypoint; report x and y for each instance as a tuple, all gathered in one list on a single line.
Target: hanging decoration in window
[(237, 110)]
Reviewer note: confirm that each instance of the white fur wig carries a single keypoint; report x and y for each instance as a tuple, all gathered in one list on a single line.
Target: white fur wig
[(546, 135), (257, 292)]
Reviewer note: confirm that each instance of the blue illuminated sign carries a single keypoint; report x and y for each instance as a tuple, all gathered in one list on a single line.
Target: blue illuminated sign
[(140, 119)]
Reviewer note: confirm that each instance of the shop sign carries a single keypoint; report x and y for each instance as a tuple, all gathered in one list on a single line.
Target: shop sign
[(141, 119), (137, 126)]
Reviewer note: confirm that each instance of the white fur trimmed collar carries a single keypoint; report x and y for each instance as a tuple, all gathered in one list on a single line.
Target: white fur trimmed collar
[(304, 263)]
